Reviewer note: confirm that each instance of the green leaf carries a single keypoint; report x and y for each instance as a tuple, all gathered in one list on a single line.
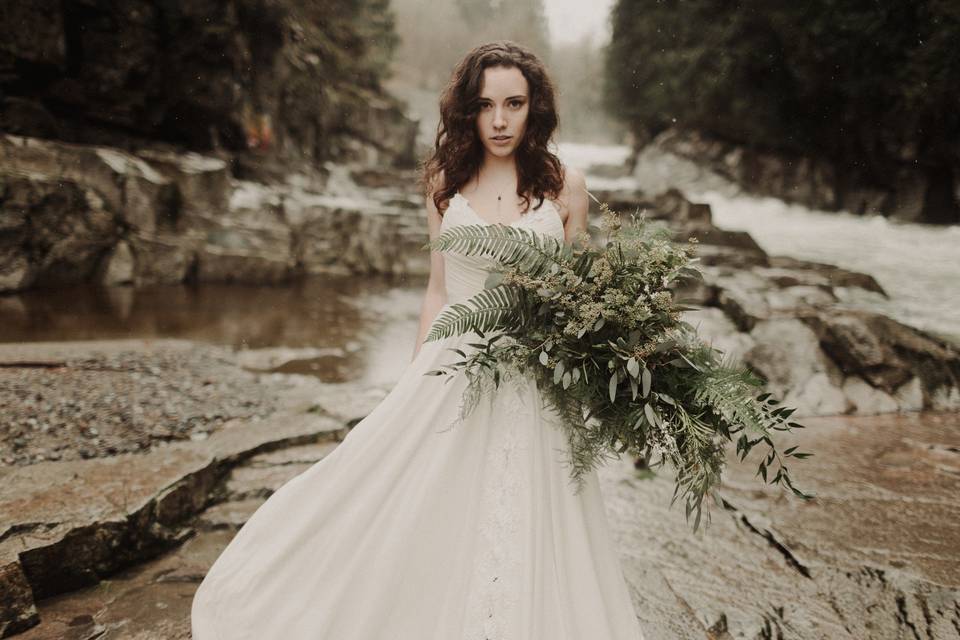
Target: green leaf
[(633, 367), (493, 279), (651, 415), (530, 252), (646, 379), (487, 310), (613, 387), (544, 358)]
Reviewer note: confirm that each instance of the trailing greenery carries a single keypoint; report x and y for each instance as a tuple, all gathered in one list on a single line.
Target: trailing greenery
[(602, 335)]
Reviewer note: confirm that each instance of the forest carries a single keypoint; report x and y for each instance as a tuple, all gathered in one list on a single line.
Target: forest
[(870, 88)]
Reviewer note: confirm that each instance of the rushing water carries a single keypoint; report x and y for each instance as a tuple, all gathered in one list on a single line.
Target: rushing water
[(918, 265)]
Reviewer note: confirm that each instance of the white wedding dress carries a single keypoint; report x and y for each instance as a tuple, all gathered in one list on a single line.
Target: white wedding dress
[(413, 530)]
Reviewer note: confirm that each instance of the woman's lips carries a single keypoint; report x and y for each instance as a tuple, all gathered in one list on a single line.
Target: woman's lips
[(503, 140)]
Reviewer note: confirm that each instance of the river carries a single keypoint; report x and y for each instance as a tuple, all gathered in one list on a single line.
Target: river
[(344, 328)]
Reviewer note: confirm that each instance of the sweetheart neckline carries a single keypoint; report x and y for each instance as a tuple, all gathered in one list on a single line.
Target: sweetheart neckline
[(508, 224)]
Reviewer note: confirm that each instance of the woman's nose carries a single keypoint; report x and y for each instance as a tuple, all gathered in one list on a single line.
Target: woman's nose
[(498, 119)]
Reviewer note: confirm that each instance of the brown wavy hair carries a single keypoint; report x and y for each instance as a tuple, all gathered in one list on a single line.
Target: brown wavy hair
[(458, 151)]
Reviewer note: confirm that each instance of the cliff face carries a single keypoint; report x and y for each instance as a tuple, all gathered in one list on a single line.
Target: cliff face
[(284, 80), (136, 131)]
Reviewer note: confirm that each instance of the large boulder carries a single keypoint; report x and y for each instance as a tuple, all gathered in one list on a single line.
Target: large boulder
[(52, 231), (886, 353)]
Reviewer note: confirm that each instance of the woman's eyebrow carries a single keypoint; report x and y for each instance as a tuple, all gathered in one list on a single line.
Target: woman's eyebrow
[(510, 98)]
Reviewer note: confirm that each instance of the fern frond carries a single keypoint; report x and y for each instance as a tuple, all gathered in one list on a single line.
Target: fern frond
[(486, 311), (528, 251), (727, 389)]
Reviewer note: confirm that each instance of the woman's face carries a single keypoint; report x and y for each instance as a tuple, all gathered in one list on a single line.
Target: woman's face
[(504, 104)]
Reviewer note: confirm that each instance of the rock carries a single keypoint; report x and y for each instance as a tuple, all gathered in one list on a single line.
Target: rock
[(18, 610), (818, 395), (202, 183), (885, 352), (848, 565), (818, 273), (362, 239), (123, 184), (746, 308), (229, 515), (119, 266), (15, 272), (65, 527), (845, 565), (673, 205), (716, 329), (867, 400), (787, 354), (54, 230), (945, 399), (163, 259), (909, 395), (260, 481), (219, 265), (206, 76)]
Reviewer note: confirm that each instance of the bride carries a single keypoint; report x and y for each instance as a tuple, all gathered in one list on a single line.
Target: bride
[(417, 528)]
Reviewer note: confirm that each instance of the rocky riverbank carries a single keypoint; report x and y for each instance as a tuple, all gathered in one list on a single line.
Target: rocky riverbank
[(79, 213), (67, 523), (115, 546), (785, 319)]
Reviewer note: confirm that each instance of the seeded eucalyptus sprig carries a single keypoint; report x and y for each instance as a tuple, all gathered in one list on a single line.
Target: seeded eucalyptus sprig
[(601, 333)]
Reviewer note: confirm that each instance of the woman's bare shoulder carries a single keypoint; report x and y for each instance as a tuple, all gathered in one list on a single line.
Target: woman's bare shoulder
[(573, 180), (435, 183)]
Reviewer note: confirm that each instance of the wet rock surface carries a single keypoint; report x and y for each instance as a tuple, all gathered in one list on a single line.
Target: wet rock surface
[(62, 403), (68, 525), (872, 556)]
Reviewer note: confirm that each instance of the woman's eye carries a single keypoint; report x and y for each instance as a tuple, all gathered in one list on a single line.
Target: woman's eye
[(517, 104)]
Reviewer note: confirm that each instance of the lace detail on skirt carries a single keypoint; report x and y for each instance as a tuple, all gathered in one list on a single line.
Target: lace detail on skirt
[(495, 585)]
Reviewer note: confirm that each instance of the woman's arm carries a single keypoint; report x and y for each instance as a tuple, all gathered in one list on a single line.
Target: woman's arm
[(577, 202), (436, 295)]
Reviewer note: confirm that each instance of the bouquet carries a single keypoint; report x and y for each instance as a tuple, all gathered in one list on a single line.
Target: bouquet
[(601, 333)]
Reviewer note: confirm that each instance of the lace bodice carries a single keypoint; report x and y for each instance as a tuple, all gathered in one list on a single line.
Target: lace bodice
[(465, 275)]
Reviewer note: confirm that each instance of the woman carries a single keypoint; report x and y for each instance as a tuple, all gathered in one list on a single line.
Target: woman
[(412, 529)]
